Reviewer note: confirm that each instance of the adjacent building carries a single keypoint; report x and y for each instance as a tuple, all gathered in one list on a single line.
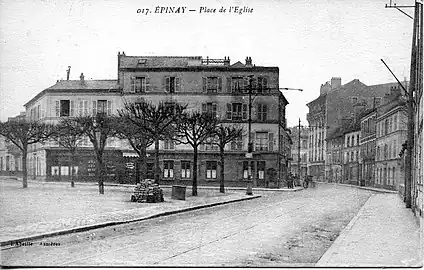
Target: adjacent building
[(209, 85), (351, 153), (10, 155), (334, 156), (367, 144), (390, 135)]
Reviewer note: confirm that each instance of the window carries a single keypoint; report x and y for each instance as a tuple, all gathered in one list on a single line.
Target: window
[(210, 146), (246, 169), (102, 107), (347, 157), (262, 112), (237, 84), (385, 151), (65, 108), (185, 169), (210, 108), (236, 111), (352, 156), (211, 169), (386, 126), (262, 84), (393, 175), (395, 122), (348, 142), (168, 145), (168, 168), (261, 169), (394, 148), (138, 85), (357, 139), (83, 108), (212, 84), (390, 124), (237, 144), (172, 84), (261, 141)]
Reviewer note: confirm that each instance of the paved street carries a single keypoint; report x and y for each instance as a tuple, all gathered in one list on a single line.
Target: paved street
[(280, 229)]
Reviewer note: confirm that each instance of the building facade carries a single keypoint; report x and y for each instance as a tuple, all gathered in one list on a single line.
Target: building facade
[(351, 153), (208, 85), (368, 146), (390, 135), (334, 156)]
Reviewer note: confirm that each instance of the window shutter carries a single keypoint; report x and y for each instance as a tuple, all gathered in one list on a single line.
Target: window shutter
[(109, 107), (81, 108), (147, 81), (177, 84), (244, 111), (246, 85), (252, 137), (219, 84), (204, 82), (264, 112), (94, 108), (132, 90), (229, 111), (204, 108), (167, 82), (85, 107), (229, 84), (72, 110), (57, 108), (271, 141)]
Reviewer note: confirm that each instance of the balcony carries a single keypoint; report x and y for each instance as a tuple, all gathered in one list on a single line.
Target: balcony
[(216, 62)]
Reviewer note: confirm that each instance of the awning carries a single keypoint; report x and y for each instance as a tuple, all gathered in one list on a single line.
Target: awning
[(129, 154)]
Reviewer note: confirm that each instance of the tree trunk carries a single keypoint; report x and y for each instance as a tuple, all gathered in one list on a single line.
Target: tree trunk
[(143, 165), (221, 183), (194, 188), (24, 168), (157, 168), (100, 174), (71, 171)]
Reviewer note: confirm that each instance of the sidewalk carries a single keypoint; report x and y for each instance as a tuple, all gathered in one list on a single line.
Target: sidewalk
[(360, 187), (383, 234), (29, 214)]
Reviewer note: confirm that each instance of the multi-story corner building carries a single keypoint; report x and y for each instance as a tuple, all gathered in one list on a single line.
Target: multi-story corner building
[(390, 135), (417, 187), (351, 153), (303, 151), (335, 102), (209, 85), (334, 156), (368, 146)]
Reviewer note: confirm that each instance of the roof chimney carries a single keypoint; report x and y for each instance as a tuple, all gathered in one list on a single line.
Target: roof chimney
[(68, 71), (82, 77), (248, 61)]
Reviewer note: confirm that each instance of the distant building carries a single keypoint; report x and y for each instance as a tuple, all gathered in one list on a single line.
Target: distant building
[(351, 153), (334, 155), (390, 135), (337, 101), (368, 146), (208, 85), (304, 137)]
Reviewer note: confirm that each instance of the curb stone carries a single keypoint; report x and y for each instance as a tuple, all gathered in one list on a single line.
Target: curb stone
[(360, 187), (114, 223)]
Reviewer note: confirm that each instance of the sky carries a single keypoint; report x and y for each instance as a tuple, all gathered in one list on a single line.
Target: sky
[(310, 41)]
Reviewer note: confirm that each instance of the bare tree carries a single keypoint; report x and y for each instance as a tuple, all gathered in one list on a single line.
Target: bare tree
[(69, 134), (23, 133), (225, 135), (138, 140), (98, 129), (194, 129), (156, 121)]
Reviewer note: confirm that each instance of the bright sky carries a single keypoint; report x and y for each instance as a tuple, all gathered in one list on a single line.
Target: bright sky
[(310, 41)]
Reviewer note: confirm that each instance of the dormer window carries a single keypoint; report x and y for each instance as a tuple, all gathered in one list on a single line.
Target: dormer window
[(142, 61)]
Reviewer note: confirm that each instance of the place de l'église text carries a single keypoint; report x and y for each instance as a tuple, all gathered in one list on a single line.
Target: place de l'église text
[(201, 10)]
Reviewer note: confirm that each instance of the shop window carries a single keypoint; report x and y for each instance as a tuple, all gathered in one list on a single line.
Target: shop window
[(185, 169), (211, 168), (168, 169)]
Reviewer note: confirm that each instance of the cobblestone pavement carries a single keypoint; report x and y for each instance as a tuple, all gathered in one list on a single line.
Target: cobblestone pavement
[(44, 208), (281, 229), (384, 231)]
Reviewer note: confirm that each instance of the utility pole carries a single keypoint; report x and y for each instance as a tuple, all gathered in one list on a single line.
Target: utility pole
[(68, 71), (298, 152), (249, 154)]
